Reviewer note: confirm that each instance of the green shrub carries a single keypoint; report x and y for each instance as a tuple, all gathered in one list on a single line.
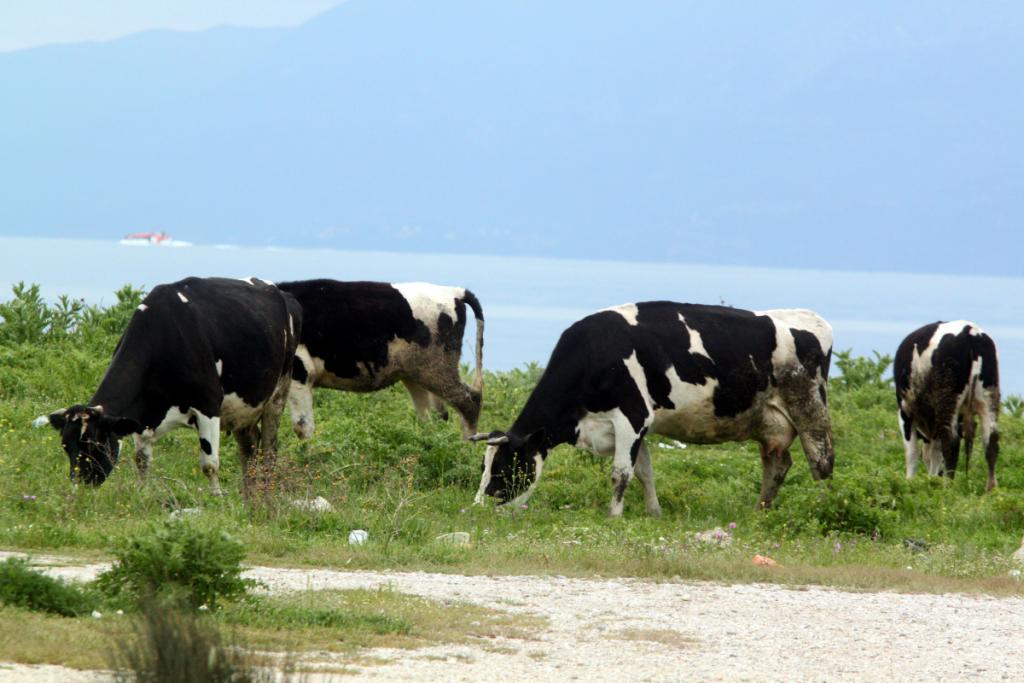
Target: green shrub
[(22, 586), (179, 560), (840, 506), (860, 371), (1014, 405)]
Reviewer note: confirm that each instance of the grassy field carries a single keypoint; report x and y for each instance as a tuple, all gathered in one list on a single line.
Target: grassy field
[(406, 481)]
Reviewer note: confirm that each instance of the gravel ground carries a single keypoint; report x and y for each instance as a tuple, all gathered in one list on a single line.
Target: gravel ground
[(614, 630)]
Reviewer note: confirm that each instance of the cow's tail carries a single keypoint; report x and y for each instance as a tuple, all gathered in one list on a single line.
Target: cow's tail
[(478, 313)]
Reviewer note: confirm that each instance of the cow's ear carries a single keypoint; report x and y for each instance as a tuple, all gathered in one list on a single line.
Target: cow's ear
[(122, 426), (58, 418)]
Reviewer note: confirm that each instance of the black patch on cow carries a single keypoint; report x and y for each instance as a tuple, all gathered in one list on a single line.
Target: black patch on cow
[(449, 332), (205, 446), (985, 348), (350, 324), (901, 366), (299, 373), (192, 420), (809, 351), (907, 425), (634, 450)]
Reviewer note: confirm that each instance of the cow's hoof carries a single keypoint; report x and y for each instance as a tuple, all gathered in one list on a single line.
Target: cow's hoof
[(654, 512)]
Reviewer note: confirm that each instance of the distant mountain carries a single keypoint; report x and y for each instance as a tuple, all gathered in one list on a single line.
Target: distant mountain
[(881, 136)]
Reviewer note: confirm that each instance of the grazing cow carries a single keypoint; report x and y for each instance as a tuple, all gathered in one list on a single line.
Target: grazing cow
[(702, 374), (365, 336), (947, 374), (209, 354)]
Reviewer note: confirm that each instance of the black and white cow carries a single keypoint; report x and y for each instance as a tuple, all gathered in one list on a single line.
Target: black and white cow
[(209, 354), (947, 374), (365, 336), (701, 374)]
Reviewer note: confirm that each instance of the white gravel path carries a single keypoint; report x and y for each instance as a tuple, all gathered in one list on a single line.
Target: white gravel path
[(625, 629)]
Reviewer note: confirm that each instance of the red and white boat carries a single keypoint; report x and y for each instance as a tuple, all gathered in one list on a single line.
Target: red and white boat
[(147, 239)]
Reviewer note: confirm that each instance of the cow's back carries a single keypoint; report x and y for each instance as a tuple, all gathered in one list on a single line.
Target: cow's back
[(192, 342), (707, 370), (365, 335)]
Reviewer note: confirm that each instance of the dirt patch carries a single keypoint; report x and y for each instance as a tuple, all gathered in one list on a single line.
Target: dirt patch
[(682, 630)]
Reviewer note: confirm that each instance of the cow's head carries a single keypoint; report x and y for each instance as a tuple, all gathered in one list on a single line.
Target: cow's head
[(511, 466), (91, 440), (300, 395)]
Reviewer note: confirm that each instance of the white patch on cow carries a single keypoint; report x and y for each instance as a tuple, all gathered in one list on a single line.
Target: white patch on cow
[(485, 478), (247, 280), (696, 341), (142, 307), (636, 371), (266, 282), (428, 301), (182, 297), (220, 367), (595, 432), (209, 463), (172, 419), (627, 311), (291, 325)]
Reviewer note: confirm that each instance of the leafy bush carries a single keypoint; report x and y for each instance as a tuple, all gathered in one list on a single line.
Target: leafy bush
[(840, 506), (179, 560), (22, 586), (1014, 405), (176, 646), (856, 372), (27, 319)]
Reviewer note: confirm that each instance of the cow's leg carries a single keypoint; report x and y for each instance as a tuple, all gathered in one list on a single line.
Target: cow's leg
[(775, 463), (645, 473), (910, 452), (448, 387), (424, 401), (990, 434), (627, 449), (143, 454), (247, 437), (270, 421), (967, 429), (951, 450), (934, 455), (209, 449)]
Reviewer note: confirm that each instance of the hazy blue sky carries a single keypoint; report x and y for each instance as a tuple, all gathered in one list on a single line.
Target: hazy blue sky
[(28, 23)]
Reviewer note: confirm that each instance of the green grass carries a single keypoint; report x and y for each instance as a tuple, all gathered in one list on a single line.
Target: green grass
[(407, 481), (307, 622)]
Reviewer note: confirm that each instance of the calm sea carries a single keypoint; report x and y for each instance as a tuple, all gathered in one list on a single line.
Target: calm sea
[(529, 301)]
